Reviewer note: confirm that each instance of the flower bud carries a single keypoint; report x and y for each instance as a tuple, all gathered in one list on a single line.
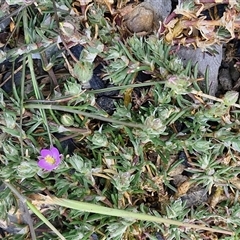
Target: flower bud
[(83, 71), (179, 84), (67, 120), (155, 126), (99, 139)]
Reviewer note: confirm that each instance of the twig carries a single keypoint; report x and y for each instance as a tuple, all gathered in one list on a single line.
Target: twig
[(199, 93), (59, 32), (23, 200)]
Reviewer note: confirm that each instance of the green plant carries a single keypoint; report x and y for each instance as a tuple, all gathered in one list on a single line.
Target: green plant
[(117, 182)]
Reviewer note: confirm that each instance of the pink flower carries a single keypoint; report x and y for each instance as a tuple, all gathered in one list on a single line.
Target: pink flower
[(49, 159)]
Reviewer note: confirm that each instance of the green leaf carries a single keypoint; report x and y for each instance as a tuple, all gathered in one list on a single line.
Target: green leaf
[(83, 71), (230, 98)]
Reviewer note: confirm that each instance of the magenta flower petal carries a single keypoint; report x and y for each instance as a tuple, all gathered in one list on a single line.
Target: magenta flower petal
[(54, 152), (45, 165), (49, 159), (45, 152)]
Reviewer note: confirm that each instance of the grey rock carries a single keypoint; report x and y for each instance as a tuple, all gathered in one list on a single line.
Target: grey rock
[(205, 61), (106, 103), (161, 8)]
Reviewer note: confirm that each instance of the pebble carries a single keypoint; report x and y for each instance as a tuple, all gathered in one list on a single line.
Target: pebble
[(140, 19), (106, 103)]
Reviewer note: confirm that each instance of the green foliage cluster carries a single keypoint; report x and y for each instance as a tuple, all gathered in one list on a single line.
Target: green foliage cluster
[(112, 164)]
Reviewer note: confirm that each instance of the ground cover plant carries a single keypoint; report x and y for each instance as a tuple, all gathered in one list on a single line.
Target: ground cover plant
[(106, 134)]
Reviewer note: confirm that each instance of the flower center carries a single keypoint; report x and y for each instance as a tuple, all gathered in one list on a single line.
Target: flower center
[(50, 159)]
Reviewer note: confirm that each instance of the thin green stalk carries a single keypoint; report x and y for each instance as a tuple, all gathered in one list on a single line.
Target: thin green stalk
[(146, 84), (21, 104), (15, 93), (33, 77), (207, 82), (86, 114), (89, 207), (70, 97), (39, 214), (54, 117), (129, 55), (26, 211), (34, 210)]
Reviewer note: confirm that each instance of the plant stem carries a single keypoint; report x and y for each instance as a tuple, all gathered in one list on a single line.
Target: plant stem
[(34, 80), (89, 207), (86, 114)]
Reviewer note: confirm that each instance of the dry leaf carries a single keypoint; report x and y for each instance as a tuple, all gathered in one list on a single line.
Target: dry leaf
[(183, 188), (216, 197), (236, 182)]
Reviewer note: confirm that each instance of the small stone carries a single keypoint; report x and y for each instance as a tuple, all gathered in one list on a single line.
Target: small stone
[(106, 103), (140, 19)]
